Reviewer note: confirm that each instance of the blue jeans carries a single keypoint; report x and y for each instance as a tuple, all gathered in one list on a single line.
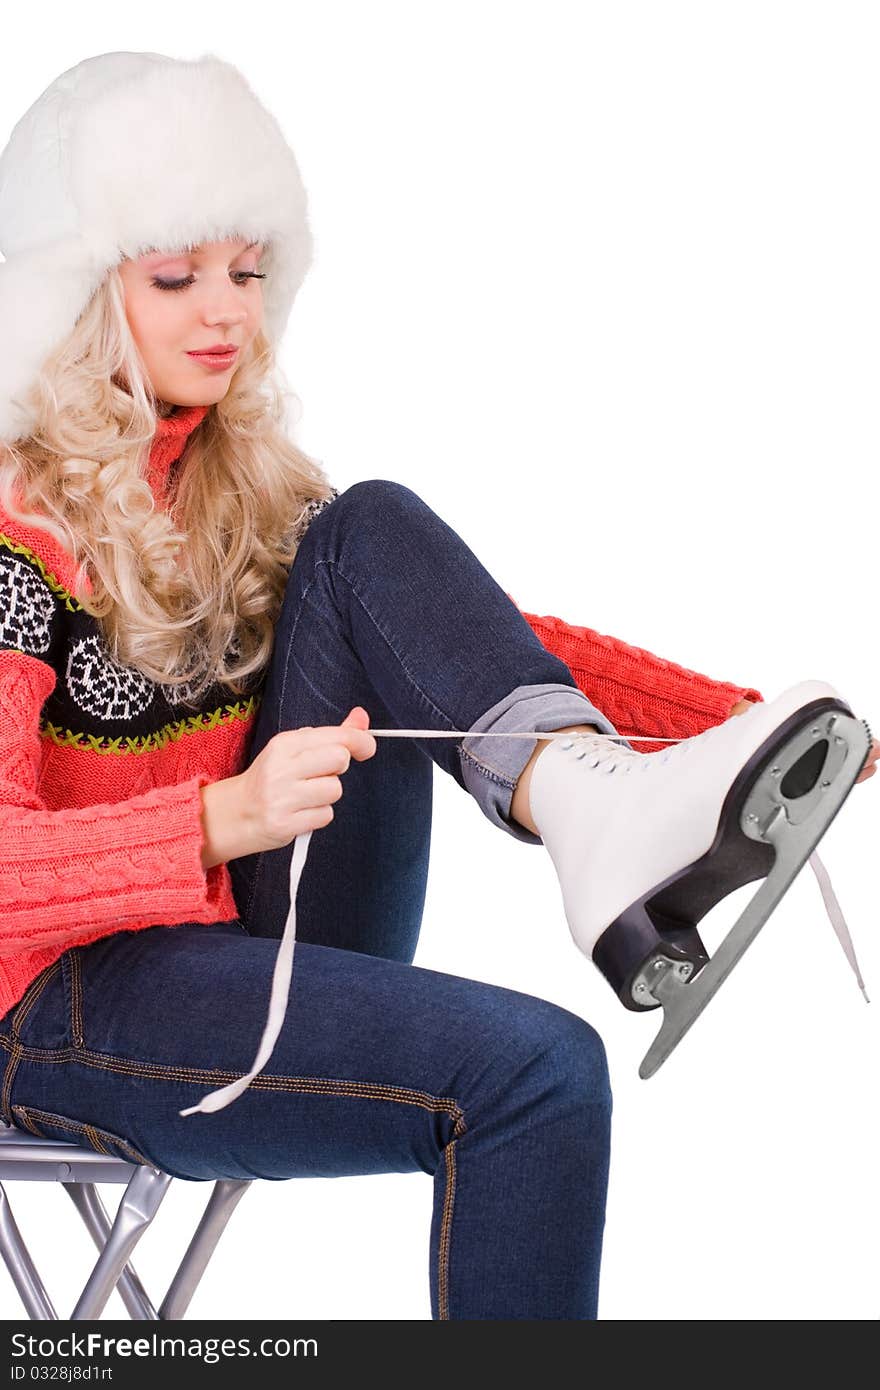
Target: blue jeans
[(381, 1066)]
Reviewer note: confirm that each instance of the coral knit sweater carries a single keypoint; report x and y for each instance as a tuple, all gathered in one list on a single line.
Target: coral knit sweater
[(101, 770)]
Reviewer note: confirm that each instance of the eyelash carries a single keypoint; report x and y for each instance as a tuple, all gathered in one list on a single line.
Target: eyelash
[(182, 284)]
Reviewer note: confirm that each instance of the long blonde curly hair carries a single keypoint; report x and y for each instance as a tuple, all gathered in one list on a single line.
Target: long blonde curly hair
[(179, 591)]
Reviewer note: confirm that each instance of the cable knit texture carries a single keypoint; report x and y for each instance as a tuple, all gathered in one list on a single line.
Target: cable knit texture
[(101, 769), (639, 692)]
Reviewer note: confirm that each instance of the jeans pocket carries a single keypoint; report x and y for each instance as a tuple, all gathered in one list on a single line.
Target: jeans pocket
[(47, 1125)]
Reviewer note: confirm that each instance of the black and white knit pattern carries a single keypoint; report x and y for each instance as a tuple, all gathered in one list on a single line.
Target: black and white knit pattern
[(27, 606), (94, 691), (314, 509), (102, 687)]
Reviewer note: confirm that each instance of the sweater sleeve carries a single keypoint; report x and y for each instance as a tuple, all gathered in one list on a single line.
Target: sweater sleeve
[(642, 694), (72, 875)]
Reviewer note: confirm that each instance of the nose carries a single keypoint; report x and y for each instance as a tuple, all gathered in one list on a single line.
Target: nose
[(222, 316), (223, 305)]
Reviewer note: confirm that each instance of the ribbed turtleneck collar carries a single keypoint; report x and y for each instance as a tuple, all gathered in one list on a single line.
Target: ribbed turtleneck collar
[(169, 442)]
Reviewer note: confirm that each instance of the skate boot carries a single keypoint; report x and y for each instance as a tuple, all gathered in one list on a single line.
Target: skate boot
[(645, 844)]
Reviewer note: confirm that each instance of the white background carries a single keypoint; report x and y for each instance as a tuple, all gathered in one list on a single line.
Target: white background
[(600, 283)]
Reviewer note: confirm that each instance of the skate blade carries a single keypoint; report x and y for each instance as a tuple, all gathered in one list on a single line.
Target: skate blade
[(777, 811)]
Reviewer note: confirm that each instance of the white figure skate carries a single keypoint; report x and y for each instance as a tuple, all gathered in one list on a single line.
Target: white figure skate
[(646, 843)]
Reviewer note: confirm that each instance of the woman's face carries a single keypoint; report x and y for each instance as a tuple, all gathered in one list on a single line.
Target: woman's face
[(217, 301)]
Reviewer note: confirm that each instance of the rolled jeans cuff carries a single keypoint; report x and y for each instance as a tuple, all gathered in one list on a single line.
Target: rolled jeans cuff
[(491, 767)]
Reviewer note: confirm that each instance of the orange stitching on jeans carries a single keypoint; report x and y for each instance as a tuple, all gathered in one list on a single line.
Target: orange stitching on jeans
[(94, 1140), (64, 1122), (39, 1054), (314, 1085), (311, 1085), (76, 1021), (26, 1119), (31, 995), (448, 1203), (11, 1069), (266, 1081)]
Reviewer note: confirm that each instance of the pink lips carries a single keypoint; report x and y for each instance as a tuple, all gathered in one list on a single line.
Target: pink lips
[(220, 361)]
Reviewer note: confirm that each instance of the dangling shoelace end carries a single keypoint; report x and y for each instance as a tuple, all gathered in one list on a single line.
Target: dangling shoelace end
[(838, 921), (281, 979)]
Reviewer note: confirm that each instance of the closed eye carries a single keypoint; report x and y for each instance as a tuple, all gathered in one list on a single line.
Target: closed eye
[(239, 275)]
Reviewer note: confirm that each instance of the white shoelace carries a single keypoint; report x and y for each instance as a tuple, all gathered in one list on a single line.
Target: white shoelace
[(216, 1100)]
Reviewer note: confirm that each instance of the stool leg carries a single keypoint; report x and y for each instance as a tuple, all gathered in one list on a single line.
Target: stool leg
[(227, 1193), (139, 1204), (32, 1291), (87, 1201)]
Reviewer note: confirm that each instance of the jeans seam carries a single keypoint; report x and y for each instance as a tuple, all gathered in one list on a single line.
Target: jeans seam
[(253, 892), (30, 997), (445, 1241), (93, 1133), (491, 773), (307, 1085), (76, 1010), (317, 1085)]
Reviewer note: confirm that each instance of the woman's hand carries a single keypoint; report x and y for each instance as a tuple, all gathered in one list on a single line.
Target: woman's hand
[(873, 752), (290, 786)]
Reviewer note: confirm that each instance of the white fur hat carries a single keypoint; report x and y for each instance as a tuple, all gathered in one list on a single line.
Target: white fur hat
[(123, 153)]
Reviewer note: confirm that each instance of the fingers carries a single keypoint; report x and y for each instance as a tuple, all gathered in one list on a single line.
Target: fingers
[(319, 791), (359, 742), (322, 760), (358, 718)]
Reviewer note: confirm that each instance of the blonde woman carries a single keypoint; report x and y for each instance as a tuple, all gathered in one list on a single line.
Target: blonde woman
[(198, 634)]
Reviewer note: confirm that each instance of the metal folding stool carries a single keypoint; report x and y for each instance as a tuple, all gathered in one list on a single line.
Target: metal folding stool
[(25, 1157)]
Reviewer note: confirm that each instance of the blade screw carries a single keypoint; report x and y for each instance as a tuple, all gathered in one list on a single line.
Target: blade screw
[(776, 772), (685, 970)]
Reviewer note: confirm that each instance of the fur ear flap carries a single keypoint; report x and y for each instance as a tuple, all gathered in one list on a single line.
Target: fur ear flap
[(42, 293)]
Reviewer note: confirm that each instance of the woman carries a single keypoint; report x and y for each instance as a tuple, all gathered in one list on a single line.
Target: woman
[(199, 632)]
